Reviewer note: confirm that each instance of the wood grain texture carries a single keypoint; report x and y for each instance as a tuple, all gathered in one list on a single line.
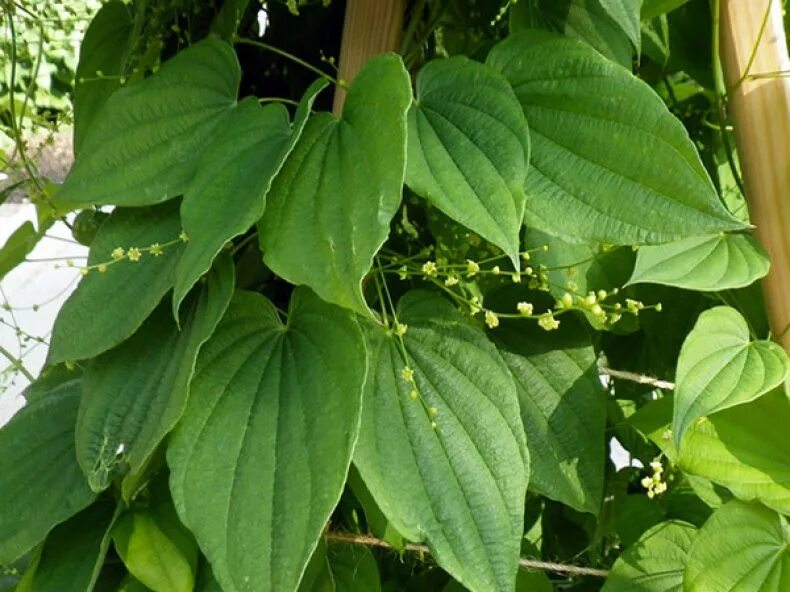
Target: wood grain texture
[(754, 50), (370, 27)]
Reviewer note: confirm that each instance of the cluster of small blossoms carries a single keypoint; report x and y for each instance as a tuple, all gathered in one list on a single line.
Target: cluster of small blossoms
[(407, 374), (655, 483), (133, 254)]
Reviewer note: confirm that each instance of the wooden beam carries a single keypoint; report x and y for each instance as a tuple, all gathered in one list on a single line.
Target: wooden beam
[(757, 73), (370, 27)]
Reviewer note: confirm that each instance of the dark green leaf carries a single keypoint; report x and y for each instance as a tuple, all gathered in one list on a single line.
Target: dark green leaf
[(602, 142), (227, 21), (229, 191), (260, 457), (563, 407), (73, 552), (42, 482), (468, 149), (104, 49), (741, 547), (703, 263), (655, 563), (329, 209), (654, 8), (460, 485), (135, 393), (626, 13), (107, 308), (719, 367), (353, 568), (141, 147), (17, 247)]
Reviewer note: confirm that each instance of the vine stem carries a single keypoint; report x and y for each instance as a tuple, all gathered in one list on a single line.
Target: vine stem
[(523, 562), (640, 378), (17, 364)]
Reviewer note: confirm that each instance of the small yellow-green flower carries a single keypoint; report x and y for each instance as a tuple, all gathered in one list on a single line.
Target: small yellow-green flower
[(400, 329), (491, 319), (118, 253), (429, 269), (525, 308), (472, 268), (156, 249), (134, 254), (407, 374), (184, 237), (548, 322)]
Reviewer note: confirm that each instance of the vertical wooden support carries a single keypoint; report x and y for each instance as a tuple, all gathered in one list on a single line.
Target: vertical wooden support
[(757, 73), (370, 27)]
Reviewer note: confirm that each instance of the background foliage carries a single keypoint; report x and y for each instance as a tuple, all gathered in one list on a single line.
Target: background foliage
[(394, 348)]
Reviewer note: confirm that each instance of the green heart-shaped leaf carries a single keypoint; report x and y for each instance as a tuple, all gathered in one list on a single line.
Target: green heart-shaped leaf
[(719, 367), (703, 263), (469, 149), (458, 485), (260, 457), (741, 547), (602, 143)]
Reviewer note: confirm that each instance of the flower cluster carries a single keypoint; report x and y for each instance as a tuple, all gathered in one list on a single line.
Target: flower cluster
[(655, 483)]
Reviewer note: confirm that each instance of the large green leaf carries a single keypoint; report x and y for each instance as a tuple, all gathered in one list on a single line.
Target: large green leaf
[(141, 147), (563, 407), (602, 143), (73, 552), (135, 393), (106, 308), (151, 556), (228, 194), (468, 149), (42, 482), (654, 8), (460, 485), (260, 457), (104, 49), (703, 263), (655, 563), (719, 367), (742, 547), (329, 208), (626, 13), (744, 449)]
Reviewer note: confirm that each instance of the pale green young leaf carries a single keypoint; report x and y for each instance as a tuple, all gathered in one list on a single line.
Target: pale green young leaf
[(602, 143), (260, 457), (150, 555), (329, 209), (468, 149), (103, 53), (127, 409), (140, 148), (741, 547), (73, 552), (459, 486), (563, 407), (42, 482), (704, 263), (107, 308), (228, 194), (719, 367), (745, 450), (655, 563)]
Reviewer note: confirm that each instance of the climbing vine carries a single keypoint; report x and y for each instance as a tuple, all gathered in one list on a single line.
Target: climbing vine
[(495, 326)]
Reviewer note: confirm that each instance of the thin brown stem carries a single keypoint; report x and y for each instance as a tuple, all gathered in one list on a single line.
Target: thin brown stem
[(639, 378), (524, 562)]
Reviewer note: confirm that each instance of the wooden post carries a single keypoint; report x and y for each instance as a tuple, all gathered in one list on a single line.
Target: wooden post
[(756, 68), (370, 27)]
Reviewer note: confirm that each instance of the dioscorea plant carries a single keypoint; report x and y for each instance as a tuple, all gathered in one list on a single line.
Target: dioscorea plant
[(393, 347)]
